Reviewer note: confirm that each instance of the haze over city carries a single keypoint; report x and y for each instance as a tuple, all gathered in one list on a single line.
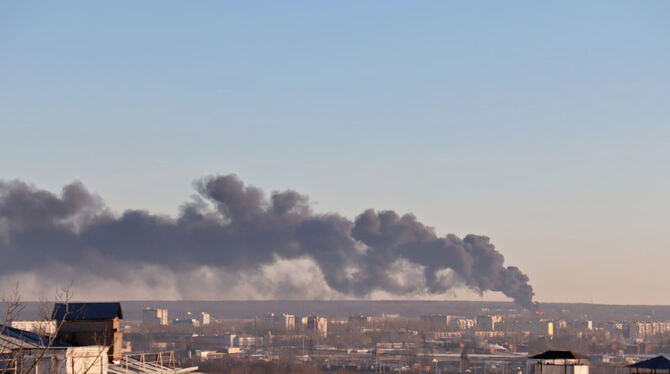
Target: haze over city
[(542, 127)]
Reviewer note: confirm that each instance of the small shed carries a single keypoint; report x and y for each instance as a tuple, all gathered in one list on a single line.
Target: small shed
[(84, 324)]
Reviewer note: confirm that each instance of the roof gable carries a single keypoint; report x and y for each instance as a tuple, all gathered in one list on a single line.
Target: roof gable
[(559, 355), (31, 339), (658, 362), (86, 311)]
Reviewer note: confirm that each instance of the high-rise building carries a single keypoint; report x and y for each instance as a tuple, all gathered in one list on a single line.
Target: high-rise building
[(285, 322), (230, 340), (318, 325), (204, 318), (461, 323), (154, 316), (487, 323)]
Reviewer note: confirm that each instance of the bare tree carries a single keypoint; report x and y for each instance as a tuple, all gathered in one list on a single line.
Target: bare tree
[(22, 352), (13, 307)]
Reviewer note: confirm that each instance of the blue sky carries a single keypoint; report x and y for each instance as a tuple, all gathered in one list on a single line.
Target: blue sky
[(542, 125)]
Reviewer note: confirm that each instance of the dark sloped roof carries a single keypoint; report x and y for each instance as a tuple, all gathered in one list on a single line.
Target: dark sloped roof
[(86, 311), (30, 337), (659, 362), (559, 355)]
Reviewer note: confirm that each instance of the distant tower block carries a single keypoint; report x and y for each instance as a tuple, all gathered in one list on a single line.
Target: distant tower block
[(155, 316), (204, 319), (318, 325)]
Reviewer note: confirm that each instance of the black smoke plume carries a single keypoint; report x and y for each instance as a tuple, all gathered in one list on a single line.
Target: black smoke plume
[(235, 228)]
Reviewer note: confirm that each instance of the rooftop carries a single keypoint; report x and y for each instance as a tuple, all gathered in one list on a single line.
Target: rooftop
[(87, 311), (559, 355), (16, 338), (656, 363)]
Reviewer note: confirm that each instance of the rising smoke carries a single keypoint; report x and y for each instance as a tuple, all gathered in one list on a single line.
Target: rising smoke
[(229, 231)]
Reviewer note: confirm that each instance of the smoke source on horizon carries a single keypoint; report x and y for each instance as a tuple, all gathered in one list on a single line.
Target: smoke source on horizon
[(227, 234)]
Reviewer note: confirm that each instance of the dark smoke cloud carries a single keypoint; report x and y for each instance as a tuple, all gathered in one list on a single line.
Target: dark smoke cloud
[(234, 228)]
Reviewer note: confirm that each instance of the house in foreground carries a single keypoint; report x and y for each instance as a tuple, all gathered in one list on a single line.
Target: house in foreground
[(87, 340)]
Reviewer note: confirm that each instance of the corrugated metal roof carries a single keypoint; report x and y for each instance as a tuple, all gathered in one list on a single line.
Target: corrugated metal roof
[(30, 338), (86, 311)]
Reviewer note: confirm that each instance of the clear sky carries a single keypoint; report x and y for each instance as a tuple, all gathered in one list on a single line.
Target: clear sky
[(542, 125)]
